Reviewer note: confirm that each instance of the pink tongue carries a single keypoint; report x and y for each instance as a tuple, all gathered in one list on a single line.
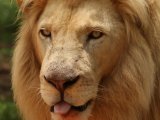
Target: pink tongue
[(62, 108)]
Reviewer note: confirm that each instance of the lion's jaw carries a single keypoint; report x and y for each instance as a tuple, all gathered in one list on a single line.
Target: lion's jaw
[(68, 53)]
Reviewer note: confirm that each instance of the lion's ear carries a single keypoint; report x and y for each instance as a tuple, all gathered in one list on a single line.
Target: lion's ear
[(25, 5), (134, 12), (19, 2)]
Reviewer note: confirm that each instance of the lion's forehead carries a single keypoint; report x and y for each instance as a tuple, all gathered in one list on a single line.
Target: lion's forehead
[(59, 15)]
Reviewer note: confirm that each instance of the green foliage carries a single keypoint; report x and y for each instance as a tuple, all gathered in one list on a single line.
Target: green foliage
[(6, 52), (8, 28), (8, 24), (8, 111)]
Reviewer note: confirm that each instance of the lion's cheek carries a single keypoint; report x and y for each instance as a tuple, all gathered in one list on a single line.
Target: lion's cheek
[(80, 94), (50, 95)]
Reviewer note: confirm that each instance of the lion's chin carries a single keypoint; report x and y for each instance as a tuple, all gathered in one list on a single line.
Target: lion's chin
[(72, 115), (75, 113)]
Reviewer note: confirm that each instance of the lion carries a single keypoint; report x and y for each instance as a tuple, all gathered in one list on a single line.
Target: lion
[(88, 60)]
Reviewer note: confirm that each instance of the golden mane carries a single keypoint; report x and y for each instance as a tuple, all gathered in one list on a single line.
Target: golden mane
[(141, 62)]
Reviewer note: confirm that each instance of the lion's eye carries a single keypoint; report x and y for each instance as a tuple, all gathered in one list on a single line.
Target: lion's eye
[(95, 35), (44, 33)]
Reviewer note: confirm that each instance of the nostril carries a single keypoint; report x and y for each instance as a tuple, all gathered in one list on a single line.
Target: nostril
[(70, 82), (76, 78), (49, 81), (45, 77)]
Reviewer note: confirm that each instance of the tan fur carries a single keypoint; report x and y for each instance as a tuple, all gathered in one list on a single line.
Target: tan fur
[(123, 75)]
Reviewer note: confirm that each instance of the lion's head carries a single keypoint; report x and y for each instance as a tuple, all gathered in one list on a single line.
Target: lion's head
[(79, 47), (87, 60)]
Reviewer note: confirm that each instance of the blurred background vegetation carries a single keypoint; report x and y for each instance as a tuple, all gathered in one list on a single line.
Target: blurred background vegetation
[(8, 28)]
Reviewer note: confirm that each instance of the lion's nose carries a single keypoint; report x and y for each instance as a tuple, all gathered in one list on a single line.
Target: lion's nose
[(61, 85)]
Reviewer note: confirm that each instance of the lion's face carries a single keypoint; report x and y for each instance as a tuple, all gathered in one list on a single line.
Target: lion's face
[(80, 43)]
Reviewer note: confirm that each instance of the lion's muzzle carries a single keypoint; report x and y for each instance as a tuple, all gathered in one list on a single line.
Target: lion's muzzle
[(61, 84), (67, 81)]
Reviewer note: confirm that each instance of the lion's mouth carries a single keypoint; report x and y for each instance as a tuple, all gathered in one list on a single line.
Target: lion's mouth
[(63, 108), (82, 107)]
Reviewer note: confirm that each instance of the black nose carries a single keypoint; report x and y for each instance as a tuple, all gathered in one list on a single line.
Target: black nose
[(61, 85)]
